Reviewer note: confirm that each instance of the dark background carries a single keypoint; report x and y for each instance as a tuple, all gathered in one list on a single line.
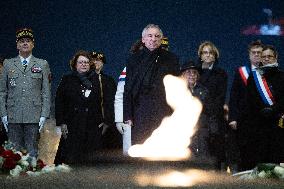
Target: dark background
[(63, 27)]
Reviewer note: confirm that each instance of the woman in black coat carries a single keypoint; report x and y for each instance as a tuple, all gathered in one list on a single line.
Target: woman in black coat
[(215, 80), (78, 112)]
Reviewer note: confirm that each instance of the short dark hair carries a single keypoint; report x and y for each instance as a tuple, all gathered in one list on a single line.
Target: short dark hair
[(73, 61), (272, 48), (255, 44)]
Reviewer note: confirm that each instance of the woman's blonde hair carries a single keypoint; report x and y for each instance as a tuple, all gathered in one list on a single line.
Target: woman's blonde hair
[(208, 43)]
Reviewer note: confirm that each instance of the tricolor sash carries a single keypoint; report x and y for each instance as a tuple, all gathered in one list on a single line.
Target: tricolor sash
[(263, 88), (122, 75), (244, 72)]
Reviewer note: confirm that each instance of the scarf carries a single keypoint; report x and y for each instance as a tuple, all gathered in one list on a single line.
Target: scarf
[(85, 78)]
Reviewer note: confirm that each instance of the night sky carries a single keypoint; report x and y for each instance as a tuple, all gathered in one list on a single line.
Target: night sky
[(63, 27)]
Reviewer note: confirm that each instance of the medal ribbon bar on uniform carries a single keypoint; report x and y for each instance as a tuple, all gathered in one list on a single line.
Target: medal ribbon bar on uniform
[(263, 88), (122, 75), (244, 72)]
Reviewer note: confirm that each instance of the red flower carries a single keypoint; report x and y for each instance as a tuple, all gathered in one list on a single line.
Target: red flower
[(7, 154), (16, 157), (9, 164), (40, 164)]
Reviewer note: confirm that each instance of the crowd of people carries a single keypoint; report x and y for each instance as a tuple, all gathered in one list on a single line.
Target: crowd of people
[(91, 110)]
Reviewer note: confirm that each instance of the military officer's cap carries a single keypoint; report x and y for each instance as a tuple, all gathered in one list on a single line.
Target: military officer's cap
[(98, 56), (24, 33), (165, 43)]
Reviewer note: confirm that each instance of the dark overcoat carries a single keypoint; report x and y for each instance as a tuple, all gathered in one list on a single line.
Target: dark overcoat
[(111, 138), (206, 123), (215, 80), (265, 138), (238, 101), (144, 96), (81, 115)]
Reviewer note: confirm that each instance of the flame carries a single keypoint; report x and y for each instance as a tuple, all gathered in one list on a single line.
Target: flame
[(174, 178), (171, 139)]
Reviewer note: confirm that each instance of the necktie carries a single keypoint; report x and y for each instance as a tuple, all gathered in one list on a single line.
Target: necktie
[(25, 63)]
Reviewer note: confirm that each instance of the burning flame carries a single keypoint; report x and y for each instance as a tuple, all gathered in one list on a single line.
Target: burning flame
[(171, 139), (174, 178)]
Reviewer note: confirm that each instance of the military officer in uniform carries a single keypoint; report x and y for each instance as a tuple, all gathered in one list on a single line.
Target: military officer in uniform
[(111, 138), (25, 94)]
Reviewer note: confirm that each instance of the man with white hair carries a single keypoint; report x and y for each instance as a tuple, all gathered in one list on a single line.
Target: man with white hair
[(144, 103)]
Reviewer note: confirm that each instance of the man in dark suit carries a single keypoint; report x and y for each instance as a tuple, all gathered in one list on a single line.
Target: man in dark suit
[(25, 94), (238, 102), (265, 108), (144, 103)]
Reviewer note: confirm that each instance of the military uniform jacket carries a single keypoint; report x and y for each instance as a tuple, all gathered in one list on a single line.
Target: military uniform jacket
[(25, 93)]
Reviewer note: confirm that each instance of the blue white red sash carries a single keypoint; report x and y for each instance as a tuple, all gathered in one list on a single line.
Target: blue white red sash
[(263, 88), (244, 72), (122, 75)]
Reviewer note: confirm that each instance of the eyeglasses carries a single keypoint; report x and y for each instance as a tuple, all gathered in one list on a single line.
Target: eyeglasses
[(84, 62), (207, 52), (267, 56), (255, 52)]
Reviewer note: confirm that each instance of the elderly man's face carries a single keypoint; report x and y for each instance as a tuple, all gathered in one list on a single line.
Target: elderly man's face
[(152, 39), (25, 46)]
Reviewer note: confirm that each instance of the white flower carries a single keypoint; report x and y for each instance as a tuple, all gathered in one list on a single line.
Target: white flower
[(48, 169), (16, 171), (24, 163), (33, 162), (26, 157), (265, 174), (279, 171), (31, 173), (63, 168)]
